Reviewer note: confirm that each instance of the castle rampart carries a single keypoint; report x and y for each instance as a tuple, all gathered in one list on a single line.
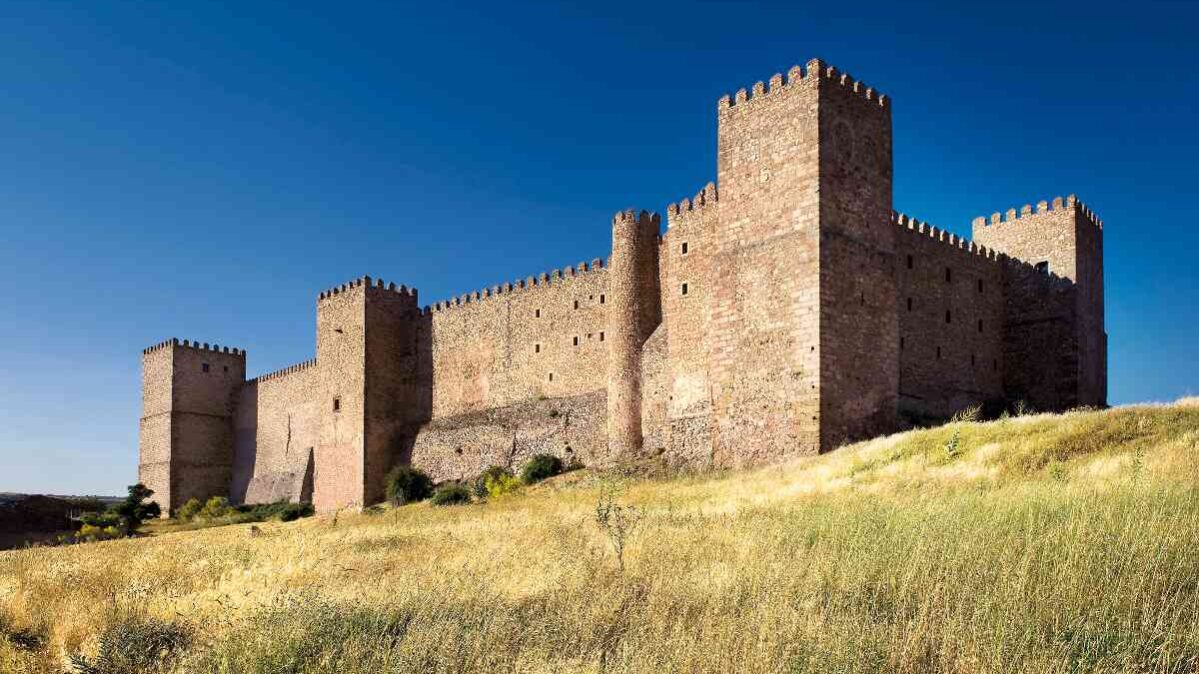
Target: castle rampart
[(784, 309)]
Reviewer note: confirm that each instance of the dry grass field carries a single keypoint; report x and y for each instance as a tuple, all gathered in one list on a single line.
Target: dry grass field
[(1065, 543)]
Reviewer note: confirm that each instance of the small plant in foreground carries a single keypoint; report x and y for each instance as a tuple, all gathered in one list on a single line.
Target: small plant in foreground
[(451, 494), (406, 484), (968, 415), (617, 521), (540, 467), (954, 446), (134, 643)]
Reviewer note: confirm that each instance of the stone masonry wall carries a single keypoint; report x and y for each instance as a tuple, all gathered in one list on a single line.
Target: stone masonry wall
[(950, 306), (688, 251), (276, 433)]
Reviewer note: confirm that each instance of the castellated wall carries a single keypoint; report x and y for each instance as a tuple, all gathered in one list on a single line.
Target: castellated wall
[(517, 370), (785, 310), (687, 254), (951, 312), (276, 432)]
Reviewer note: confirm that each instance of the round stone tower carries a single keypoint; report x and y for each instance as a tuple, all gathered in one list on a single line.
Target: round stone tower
[(635, 312)]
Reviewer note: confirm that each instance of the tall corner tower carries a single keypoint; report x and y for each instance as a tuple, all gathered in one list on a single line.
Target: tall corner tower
[(1055, 342), (804, 344), (185, 439)]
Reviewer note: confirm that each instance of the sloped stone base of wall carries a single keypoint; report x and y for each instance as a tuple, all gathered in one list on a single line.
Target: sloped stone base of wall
[(462, 446)]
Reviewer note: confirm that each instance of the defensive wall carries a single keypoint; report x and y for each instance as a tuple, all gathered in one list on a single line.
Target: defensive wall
[(785, 309)]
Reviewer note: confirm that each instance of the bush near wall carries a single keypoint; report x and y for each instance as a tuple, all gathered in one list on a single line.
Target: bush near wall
[(540, 467), (405, 484)]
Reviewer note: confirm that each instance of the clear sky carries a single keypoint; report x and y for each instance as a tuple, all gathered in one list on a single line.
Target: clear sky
[(203, 170)]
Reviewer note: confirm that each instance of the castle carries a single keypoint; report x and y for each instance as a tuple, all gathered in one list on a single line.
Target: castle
[(786, 310)]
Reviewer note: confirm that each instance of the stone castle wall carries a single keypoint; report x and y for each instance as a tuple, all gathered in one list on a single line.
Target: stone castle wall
[(786, 309), (951, 321)]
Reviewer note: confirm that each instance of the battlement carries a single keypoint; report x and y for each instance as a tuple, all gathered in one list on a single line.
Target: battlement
[(643, 217), (377, 285), (543, 279), (950, 239), (1058, 204), (797, 76), (290, 369), (708, 196), (188, 344)]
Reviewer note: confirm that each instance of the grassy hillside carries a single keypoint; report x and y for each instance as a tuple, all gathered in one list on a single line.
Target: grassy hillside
[(1049, 544)]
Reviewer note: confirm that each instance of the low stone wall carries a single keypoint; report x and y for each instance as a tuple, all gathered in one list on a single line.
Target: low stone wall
[(462, 446)]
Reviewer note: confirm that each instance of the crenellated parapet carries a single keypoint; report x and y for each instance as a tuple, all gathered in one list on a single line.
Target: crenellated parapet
[(951, 240), (706, 198), (797, 76), (283, 372), (373, 285), (542, 280), (1056, 205), (196, 345)]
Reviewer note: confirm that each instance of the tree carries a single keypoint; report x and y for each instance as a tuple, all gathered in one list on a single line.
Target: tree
[(134, 510)]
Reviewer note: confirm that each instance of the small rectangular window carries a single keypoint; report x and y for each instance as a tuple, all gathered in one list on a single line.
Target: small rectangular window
[(551, 376), (536, 348), (601, 336), (948, 275), (980, 325), (938, 353), (995, 365), (601, 299), (576, 340), (909, 304), (1043, 267), (576, 304), (948, 316), (901, 342), (537, 313), (683, 248), (226, 368), (337, 404), (909, 262), (980, 285), (203, 367), (684, 288), (972, 360)]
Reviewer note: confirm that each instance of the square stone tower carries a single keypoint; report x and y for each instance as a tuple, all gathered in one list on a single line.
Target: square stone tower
[(804, 334), (189, 392)]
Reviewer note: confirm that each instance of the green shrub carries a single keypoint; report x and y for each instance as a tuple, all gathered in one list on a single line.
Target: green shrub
[(284, 511), (451, 494), (215, 508), (189, 510), (406, 484), (540, 467), (100, 520), (495, 481)]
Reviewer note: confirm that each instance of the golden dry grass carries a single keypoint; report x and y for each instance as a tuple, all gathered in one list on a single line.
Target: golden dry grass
[(1051, 543)]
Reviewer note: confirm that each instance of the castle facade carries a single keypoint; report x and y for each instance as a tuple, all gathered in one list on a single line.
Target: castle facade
[(786, 309)]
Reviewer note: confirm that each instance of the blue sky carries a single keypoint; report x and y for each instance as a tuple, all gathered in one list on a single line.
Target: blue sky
[(203, 170)]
